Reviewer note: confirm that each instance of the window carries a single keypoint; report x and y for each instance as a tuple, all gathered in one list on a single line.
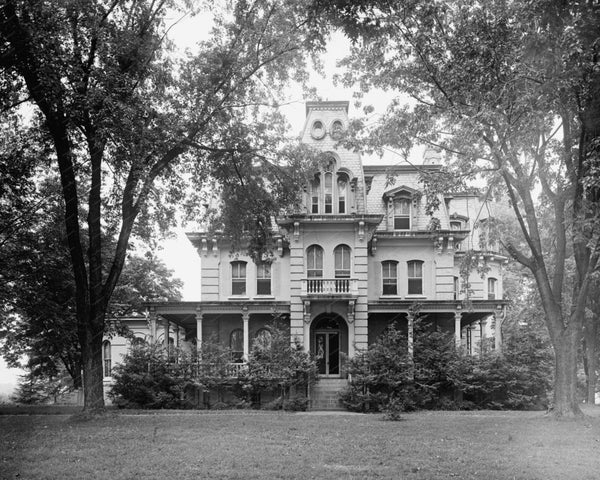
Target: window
[(138, 342), (106, 358), (456, 288), (337, 130), (492, 282), (171, 355), (263, 338), (342, 261), (342, 186), (236, 344), (415, 277), (263, 279), (390, 277), (317, 130), (314, 261), (238, 278), (402, 214), (455, 225), (314, 195), (328, 188)]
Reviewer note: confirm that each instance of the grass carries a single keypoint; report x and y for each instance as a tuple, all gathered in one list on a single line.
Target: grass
[(257, 445)]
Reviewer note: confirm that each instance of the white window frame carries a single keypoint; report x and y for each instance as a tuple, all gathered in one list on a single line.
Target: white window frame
[(412, 276), (238, 279), (391, 279)]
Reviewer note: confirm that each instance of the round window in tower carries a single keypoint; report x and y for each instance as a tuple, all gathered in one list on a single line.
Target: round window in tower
[(318, 130), (337, 130)]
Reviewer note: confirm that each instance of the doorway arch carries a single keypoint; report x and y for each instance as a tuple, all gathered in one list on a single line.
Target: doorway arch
[(329, 340)]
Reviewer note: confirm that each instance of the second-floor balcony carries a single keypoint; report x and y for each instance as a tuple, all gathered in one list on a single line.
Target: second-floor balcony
[(329, 287)]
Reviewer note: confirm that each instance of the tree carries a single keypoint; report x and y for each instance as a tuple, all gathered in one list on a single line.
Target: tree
[(38, 321), (510, 91), (128, 126)]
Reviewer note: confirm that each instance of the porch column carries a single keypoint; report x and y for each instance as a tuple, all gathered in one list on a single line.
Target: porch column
[(351, 304), (306, 318), (498, 317), (198, 331), (177, 327), (165, 324), (411, 331), (457, 329), (482, 335), (246, 321), (152, 326), (469, 334)]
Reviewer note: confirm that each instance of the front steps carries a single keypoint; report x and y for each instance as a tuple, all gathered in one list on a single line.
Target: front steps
[(325, 394)]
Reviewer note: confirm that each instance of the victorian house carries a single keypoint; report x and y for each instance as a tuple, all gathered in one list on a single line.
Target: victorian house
[(358, 257)]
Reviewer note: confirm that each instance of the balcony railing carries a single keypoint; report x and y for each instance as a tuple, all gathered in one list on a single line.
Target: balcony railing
[(329, 286)]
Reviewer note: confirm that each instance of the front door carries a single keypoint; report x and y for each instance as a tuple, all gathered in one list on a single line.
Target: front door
[(327, 353)]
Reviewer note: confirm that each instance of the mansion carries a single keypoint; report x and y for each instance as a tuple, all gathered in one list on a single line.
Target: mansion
[(357, 257)]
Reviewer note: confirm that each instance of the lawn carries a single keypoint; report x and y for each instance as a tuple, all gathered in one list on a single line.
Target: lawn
[(257, 445)]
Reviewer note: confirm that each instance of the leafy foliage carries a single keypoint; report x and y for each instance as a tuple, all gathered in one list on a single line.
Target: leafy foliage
[(279, 367), (510, 92), (385, 378), (146, 379), (130, 127)]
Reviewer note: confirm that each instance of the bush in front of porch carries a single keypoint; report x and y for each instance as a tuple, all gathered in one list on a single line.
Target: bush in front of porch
[(438, 376), (277, 371), (279, 368)]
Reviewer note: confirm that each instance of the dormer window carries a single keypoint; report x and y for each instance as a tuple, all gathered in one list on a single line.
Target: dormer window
[(400, 202), (315, 187), (402, 213), (342, 188), (330, 190), (455, 225)]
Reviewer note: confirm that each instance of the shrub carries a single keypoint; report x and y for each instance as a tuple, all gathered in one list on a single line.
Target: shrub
[(384, 378), (297, 403), (277, 366), (145, 380)]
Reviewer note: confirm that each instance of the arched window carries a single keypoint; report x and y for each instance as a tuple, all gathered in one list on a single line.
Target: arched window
[(138, 342), (238, 278), (492, 284), (236, 344), (314, 261), (389, 275), (402, 214), (415, 277), (328, 190), (315, 194), (263, 338), (341, 255), (263, 279), (106, 358), (342, 190)]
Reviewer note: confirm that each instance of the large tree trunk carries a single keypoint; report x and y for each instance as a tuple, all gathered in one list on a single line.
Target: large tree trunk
[(590, 336), (566, 345), (93, 375)]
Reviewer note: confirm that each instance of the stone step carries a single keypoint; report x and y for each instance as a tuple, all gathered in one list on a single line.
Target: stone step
[(325, 394)]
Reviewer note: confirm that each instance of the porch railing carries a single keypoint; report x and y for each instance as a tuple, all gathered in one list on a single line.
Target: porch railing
[(329, 286), (219, 370)]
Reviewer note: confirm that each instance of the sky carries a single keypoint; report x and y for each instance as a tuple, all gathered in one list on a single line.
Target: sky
[(186, 32), (177, 252)]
